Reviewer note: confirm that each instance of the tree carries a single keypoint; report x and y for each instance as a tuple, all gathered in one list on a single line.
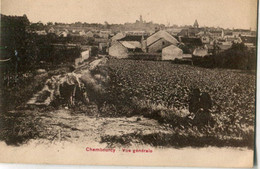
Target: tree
[(107, 26), (49, 24), (216, 48), (237, 57)]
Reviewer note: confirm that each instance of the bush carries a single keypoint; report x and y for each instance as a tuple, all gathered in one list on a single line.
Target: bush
[(237, 57)]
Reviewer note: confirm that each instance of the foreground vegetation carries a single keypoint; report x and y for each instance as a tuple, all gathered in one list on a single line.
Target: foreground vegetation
[(143, 90), (161, 90)]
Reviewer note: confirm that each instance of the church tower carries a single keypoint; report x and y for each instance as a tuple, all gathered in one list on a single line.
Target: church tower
[(141, 19), (196, 25)]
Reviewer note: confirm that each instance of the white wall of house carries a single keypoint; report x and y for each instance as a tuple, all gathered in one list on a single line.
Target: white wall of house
[(104, 35), (89, 34), (241, 33), (85, 55), (171, 52), (118, 50), (158, 46)]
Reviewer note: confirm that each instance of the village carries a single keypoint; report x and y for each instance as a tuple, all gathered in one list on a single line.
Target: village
[(145, 40), (128, 84)]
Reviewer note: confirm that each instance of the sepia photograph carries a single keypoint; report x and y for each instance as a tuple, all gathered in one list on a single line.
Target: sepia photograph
[(128, 83)]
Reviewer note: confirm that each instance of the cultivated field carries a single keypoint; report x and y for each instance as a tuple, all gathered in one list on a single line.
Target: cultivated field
[(138, 102), (161, 90)]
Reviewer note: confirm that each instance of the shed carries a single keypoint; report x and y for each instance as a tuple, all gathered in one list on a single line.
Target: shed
[(121, 49), (89, 34), (118, 50), (200, 52), (171, 52)]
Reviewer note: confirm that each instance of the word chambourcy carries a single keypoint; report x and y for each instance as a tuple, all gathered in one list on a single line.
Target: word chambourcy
[(113, 150)]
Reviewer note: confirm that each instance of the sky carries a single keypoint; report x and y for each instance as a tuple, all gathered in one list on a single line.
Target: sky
[(222, 13)]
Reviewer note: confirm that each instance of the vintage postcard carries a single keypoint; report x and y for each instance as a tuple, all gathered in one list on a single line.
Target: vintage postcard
[(133, 83)]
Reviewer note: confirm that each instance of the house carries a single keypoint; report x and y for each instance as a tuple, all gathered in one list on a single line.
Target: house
[(51, 30), (189, 41), (41, 32), (62, 34), (140, 33), (249, 41), (137, 38), (121, 49), (157, 46), (228, 33), (174, 31), (200, 52), (82, 33), (171, 53), (241, 32), (104, 34), (231, 39), (74, 33), (189, 32), (205, 37), (84, 56), (101, 40), (224, 46), (218, 47), (186, 56), (216, 34), (102, 47), (161, 34), (118, 36), (159, 40), (89, 34)]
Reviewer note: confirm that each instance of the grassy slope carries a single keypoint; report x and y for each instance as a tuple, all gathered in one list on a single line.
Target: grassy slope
[(17, 123)]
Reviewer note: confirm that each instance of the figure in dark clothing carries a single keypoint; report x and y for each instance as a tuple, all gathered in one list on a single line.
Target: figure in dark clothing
[(67, 93), (205, 101), (194, 103), (200, 105)]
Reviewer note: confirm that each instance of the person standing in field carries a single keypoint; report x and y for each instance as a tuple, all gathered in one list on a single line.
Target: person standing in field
[(194, 103), (200, 104)]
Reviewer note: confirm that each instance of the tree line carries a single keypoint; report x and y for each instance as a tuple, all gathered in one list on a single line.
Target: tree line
[(22, 51), (238, 56)]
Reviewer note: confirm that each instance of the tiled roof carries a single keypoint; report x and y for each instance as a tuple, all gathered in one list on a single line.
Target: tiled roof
[(131, 44), (193, 41), (161, 34), (133, 38), (118, 36)]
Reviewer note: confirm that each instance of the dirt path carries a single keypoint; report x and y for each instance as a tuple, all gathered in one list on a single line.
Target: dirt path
[(66, 136), (63, 125)]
